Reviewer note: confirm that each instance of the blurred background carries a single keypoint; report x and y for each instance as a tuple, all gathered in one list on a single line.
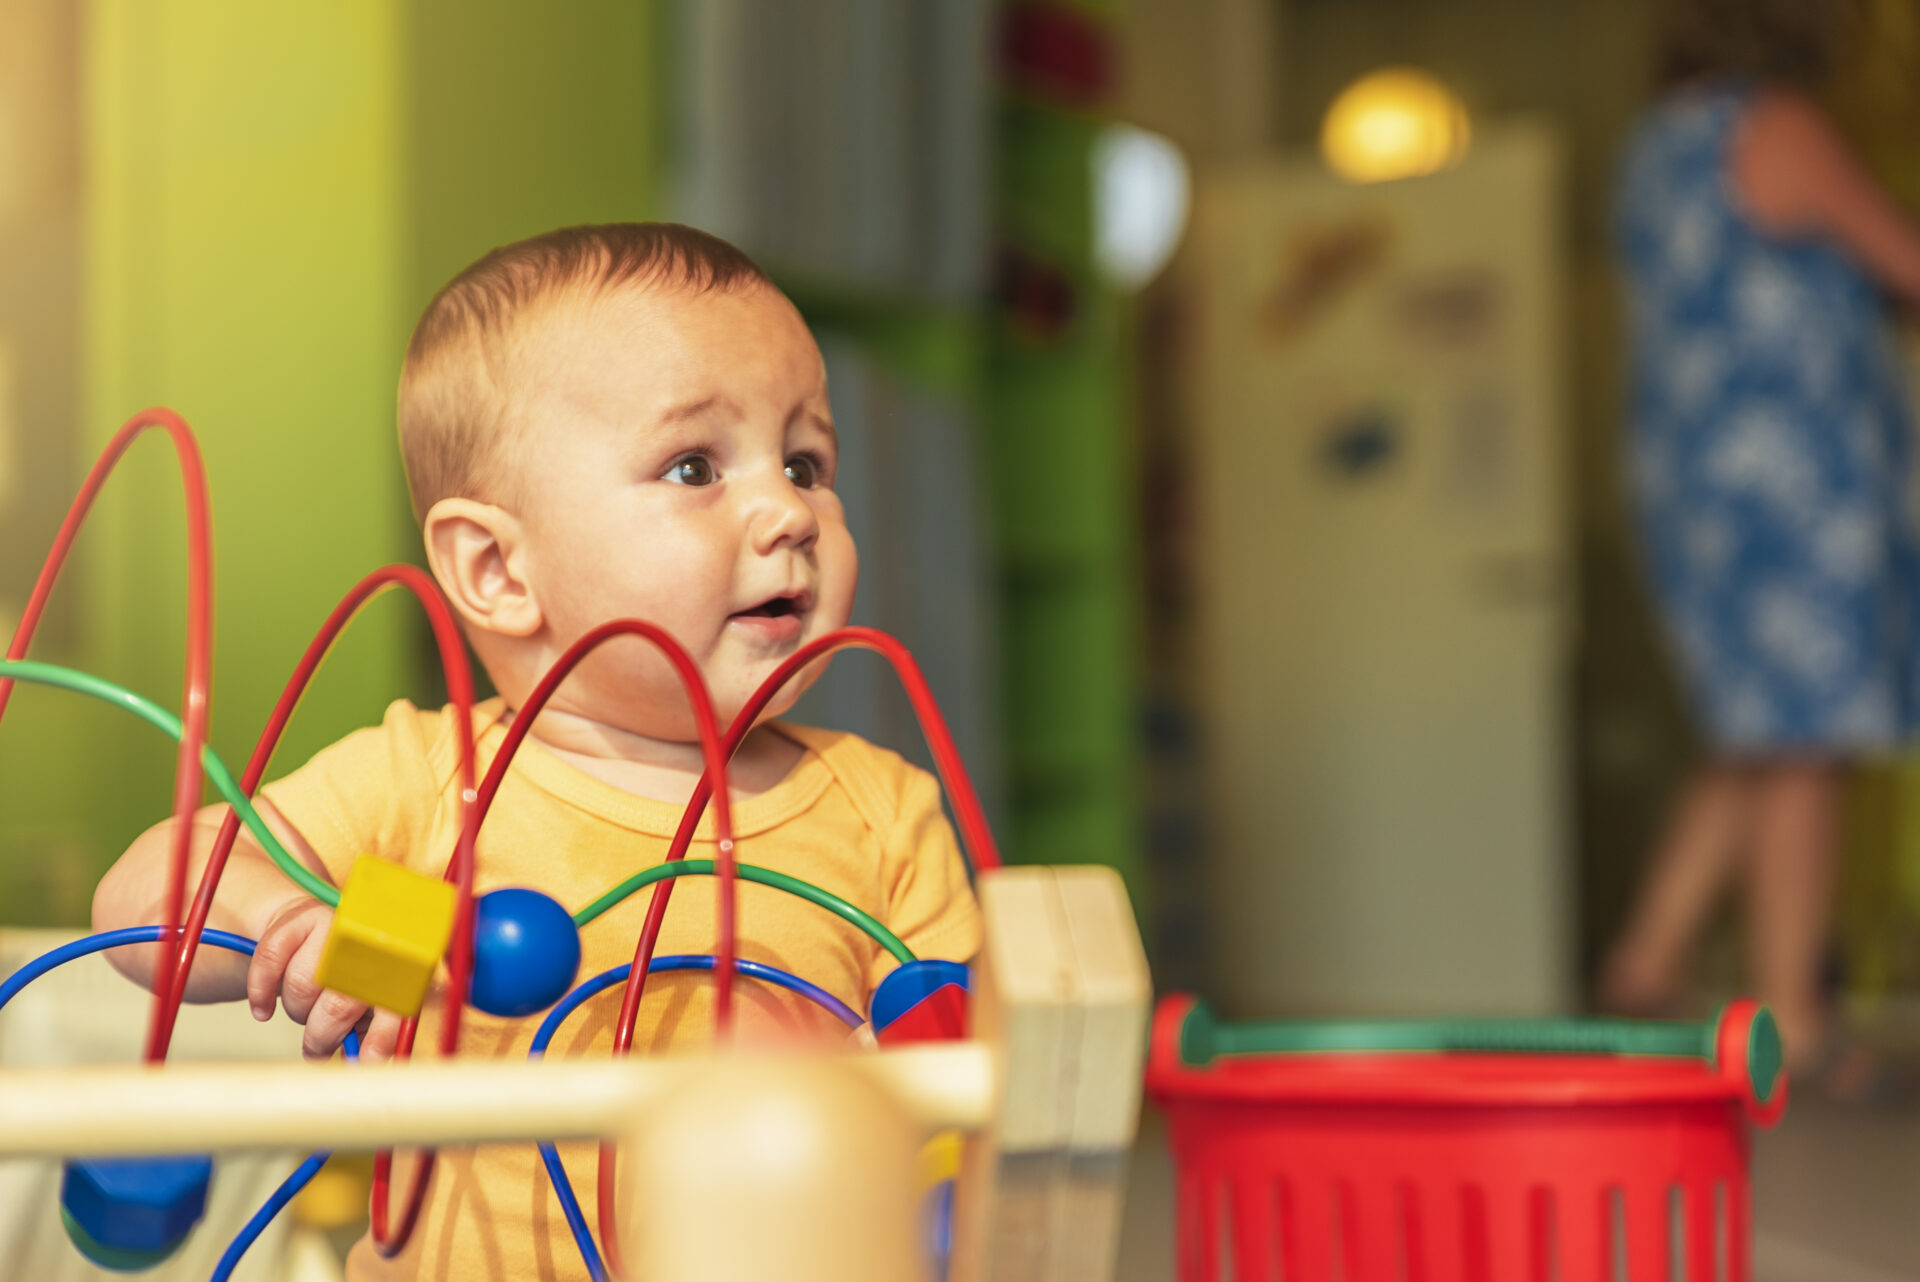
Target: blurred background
[(1232, 393)]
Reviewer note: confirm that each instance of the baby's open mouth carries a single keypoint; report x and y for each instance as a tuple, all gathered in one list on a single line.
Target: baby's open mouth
[(774, 608)]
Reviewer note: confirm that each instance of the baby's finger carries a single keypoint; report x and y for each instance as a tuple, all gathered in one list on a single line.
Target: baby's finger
[(379, 1036), (299, 988), (329, 1021), (278, 945)]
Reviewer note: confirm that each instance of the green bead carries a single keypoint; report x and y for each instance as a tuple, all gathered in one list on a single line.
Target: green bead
[(119, 1259)]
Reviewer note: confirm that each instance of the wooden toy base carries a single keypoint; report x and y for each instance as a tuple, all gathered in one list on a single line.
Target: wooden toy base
[(817, 1153)]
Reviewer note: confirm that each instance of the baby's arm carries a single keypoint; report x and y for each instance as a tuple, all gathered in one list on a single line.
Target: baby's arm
[(930, 902), (257, 900)]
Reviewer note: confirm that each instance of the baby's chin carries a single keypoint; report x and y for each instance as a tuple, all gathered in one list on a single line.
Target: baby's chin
[(727, 704), (676, 722), (789, 694), (649, 700)]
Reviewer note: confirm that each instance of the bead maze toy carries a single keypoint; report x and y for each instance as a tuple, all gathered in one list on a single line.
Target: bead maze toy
[(984, 1139)]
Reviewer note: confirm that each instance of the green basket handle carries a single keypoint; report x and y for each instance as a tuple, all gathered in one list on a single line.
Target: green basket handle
[(1203, 1037)]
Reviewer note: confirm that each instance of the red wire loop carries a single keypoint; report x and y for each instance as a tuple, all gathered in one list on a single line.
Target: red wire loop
[(976, 838), (422, 587), (460, 868), (459, 680), (187, 775), (713, 754), (715, 759)]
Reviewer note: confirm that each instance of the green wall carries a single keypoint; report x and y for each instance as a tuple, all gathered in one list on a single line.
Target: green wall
[(273, 192), (1060, 453), (524, 118)]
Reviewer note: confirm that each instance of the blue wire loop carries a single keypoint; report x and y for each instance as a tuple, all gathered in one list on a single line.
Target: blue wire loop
[(86, 947), (57, 957), (550, 1155), (289, 1189)]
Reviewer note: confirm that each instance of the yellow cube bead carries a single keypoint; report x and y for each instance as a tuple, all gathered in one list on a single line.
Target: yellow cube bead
[(390, 930)]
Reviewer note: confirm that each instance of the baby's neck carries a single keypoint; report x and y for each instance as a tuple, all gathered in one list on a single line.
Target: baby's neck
[(660, 769)]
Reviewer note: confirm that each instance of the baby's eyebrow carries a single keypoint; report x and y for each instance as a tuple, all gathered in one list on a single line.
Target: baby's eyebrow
[(804, 413), (693, 409)]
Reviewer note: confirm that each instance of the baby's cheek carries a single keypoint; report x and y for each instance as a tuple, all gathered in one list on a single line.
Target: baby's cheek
[(839, 578)]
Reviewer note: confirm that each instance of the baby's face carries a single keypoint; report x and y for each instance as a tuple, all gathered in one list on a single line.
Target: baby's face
[(679, 468)]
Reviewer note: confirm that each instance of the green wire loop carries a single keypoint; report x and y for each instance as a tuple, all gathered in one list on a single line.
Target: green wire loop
[(48, 674), (765, 877)]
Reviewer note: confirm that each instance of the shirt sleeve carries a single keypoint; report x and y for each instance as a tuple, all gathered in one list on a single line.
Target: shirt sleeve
[(930, 902), (372, 793)]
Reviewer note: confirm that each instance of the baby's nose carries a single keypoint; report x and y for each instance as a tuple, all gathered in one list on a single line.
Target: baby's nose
[(785, 518)]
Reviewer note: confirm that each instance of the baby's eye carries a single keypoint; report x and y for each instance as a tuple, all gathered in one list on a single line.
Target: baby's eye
[(803, 471), (694, 469)]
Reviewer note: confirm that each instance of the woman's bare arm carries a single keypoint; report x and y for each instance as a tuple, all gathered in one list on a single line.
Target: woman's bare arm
[(1797, 176)]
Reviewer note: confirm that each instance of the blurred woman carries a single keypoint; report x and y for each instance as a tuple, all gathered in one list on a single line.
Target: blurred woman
[(1770, 469)]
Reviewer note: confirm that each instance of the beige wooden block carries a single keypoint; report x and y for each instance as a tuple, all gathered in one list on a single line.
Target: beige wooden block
[(1115, 998), (1029, 956), (1061, 993), (1023, 988), (1115, 994), (1091, 1197)]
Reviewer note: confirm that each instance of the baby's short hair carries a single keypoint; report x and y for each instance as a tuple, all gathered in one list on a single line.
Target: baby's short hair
[(458, 396)]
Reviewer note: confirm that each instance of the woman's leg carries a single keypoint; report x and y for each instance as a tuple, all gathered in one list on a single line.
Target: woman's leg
[(1695, 860), (1796, 841)]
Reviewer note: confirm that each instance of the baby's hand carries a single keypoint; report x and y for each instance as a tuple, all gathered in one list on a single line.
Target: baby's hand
[(283, 966)]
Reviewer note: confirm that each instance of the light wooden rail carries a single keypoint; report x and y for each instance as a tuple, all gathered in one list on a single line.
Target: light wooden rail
[(75, 1112)]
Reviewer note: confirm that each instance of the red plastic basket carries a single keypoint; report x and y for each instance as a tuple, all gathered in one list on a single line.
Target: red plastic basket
[(1488, 1151)]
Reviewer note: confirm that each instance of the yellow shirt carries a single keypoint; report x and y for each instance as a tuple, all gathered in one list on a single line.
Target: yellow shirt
[(851, 818)]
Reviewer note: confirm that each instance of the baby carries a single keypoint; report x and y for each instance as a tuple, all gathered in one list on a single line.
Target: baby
[(622, 421)]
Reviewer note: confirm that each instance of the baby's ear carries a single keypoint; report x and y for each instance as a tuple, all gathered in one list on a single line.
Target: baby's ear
[(475, 551)]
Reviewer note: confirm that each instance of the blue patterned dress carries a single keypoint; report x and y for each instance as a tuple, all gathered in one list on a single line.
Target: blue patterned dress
[(1768, 456)]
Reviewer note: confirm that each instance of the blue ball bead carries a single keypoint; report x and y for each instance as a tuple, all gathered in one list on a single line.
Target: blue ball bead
[(526, 952)]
